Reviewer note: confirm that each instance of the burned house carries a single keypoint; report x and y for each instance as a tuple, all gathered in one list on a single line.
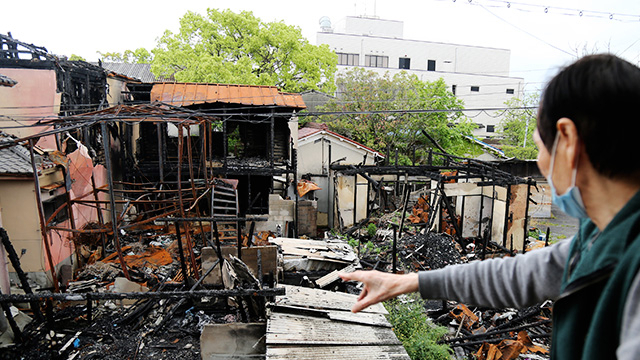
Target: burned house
[(318, 149), (47, 86), (467, 198), (245, 135)]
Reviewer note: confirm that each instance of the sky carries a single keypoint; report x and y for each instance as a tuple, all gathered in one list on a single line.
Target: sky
[(542, 36)]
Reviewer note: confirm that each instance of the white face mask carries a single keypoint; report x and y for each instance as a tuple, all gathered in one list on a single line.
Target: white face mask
[(571, 201)]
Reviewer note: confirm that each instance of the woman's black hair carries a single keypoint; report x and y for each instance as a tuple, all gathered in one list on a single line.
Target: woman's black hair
[(599, 93)]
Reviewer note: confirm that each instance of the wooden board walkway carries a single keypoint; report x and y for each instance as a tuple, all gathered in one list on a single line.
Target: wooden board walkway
[(317, 324)]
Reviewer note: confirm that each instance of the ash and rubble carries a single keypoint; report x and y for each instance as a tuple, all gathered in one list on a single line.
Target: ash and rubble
[(474, 332), (168, 328), (146, 322)]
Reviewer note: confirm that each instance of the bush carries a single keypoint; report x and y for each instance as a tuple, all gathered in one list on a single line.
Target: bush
[(372, 229), (418, 334)]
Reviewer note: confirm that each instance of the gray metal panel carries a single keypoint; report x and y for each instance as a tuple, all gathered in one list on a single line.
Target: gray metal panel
[(141, 72), (391, 352)]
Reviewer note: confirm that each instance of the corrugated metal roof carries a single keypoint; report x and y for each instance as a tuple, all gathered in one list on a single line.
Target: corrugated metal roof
[(141, 72), (6, 81), (185, 94)]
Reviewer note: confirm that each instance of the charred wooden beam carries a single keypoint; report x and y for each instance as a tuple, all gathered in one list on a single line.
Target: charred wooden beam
[(15, 298)]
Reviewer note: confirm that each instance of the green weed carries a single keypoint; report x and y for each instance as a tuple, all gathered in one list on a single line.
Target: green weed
[(418, 334)]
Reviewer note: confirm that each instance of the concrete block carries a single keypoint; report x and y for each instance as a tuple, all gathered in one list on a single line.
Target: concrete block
[(209, 257), (249, 257), (233, 341), (122, 285)]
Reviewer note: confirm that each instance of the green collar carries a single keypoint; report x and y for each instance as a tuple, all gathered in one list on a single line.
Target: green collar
[(592, 250)]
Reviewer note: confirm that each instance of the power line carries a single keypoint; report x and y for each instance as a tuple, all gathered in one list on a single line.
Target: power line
[(555, 10), (526, 32)]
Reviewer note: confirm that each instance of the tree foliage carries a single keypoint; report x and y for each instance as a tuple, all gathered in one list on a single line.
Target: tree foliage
[(75, 57), (517, 127), (137, 56), (365, 91), (226, 47)]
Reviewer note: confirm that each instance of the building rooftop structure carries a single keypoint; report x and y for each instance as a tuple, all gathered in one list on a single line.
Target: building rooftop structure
[(478, 75)]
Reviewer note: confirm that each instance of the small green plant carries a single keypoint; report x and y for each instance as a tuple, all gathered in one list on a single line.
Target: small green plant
[(370, 246), (418, 334), (353, 242), (372, 229)]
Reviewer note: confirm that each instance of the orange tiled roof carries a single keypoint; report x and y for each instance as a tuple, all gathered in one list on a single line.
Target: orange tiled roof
[(185, 94)]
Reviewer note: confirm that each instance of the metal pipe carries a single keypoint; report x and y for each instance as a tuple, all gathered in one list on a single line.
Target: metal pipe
[(114, 221), (191, 178), (272, 153), (355, 199), (181, 205), (72, 220), (394, 248), (160, 152), (103, 236), (295, 190), (43, 227), (183, 263), (405, 202), (507, 217)]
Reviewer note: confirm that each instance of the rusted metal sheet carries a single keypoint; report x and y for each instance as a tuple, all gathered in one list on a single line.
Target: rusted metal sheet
[(185, 94)]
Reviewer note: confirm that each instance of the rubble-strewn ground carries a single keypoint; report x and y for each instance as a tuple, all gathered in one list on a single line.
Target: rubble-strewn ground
[(473, 331), (170, 329)]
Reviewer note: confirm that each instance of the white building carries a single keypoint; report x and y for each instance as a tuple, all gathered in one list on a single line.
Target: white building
[(342, 200), (477, 75)]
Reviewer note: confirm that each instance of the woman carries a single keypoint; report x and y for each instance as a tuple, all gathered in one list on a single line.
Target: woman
[(588, 153)]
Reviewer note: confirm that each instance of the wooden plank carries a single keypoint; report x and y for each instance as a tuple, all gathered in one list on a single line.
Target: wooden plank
[(319, 255), (333, 276), (363, 318), (322, 299), (289, 329), (359, 318), (383, 352)]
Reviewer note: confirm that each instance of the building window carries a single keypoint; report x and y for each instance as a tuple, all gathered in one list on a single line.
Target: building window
[(511, 91), (431, 65), (453, 89), (348, 59), (405, 63), (51, 205), (376, 61), (475, 88), (491, 128)]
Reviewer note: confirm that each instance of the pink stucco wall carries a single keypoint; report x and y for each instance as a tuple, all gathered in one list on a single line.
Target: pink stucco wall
[(34, 98), (80, 172)]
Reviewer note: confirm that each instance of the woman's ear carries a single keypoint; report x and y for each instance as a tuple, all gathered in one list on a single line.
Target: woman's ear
[(568, 141)]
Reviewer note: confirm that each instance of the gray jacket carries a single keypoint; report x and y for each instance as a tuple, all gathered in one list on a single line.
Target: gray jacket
[(521, 281)]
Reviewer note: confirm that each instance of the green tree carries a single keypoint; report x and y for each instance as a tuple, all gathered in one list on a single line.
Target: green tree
[(517, 127), (372, 95), (225, 47), (75, 57), (137, 56)]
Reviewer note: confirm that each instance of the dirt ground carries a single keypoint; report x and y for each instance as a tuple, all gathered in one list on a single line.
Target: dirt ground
[(561, 225)]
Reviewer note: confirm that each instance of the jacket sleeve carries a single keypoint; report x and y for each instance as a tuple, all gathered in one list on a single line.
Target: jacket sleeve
[(629, 346), (517, 282)]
